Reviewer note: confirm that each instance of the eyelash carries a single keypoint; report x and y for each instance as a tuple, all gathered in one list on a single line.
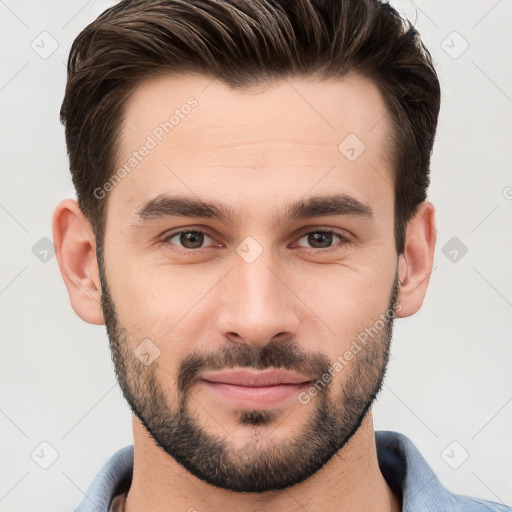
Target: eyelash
[(343, 239)]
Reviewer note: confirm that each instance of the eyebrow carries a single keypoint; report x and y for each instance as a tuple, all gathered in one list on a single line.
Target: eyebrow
[(164, 206)]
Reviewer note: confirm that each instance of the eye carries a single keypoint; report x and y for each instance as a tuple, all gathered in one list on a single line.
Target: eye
[(322, 239), (192, 239)]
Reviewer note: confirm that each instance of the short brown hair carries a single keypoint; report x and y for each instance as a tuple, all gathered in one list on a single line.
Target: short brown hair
[(243, 43)]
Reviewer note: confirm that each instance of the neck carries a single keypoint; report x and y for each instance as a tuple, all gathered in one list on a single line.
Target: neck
[(351, 480)]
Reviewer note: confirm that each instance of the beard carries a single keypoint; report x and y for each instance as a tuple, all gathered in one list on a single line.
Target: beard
[(337, 410)]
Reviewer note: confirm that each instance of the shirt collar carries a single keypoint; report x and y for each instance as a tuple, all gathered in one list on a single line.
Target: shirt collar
[(401, 464), (408, 473)]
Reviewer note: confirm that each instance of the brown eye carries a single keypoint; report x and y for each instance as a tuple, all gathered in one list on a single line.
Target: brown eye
[(188, 239), (321, 239)]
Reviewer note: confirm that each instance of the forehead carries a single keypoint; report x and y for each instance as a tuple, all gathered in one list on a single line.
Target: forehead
[(204, 138)]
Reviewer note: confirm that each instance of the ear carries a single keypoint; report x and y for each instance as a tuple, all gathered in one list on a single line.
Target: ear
[(75, 248), (415, 263)]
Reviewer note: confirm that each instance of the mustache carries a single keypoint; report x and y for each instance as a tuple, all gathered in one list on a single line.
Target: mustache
[(272, 355)]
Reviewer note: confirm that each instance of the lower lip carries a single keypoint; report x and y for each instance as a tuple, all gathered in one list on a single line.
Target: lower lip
[(256, 397)]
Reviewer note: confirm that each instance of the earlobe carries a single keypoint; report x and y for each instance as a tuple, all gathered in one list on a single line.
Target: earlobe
[(415, 264), (75, 249)]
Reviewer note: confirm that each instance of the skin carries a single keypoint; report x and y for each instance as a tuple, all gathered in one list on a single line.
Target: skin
[(256, 151)]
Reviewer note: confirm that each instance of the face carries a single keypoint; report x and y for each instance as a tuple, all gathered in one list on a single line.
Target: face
[(249, 273)]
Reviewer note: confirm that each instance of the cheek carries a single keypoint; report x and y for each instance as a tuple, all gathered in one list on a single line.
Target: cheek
[(349, 303), (157, 296)]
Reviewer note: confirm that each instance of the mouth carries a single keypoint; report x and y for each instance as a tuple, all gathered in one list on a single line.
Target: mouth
[(255, 389)]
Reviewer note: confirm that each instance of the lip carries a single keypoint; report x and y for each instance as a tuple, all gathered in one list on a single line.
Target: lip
[(255, 378), (254, 389)]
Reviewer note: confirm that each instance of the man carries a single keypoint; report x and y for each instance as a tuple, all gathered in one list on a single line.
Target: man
[(252, 216)]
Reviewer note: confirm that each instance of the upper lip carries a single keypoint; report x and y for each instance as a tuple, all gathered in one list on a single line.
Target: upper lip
[(255, 378)]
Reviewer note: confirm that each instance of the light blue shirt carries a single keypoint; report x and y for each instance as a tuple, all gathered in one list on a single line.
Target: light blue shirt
[(401, 464)]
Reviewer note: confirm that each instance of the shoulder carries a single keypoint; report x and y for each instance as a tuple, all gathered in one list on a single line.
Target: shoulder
[(408, 473), (470, 504)]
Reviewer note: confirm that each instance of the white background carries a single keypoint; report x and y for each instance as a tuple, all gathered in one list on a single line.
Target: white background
[(450, 375)]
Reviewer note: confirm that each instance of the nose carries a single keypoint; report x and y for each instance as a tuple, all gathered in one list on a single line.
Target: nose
[(257, 304)]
